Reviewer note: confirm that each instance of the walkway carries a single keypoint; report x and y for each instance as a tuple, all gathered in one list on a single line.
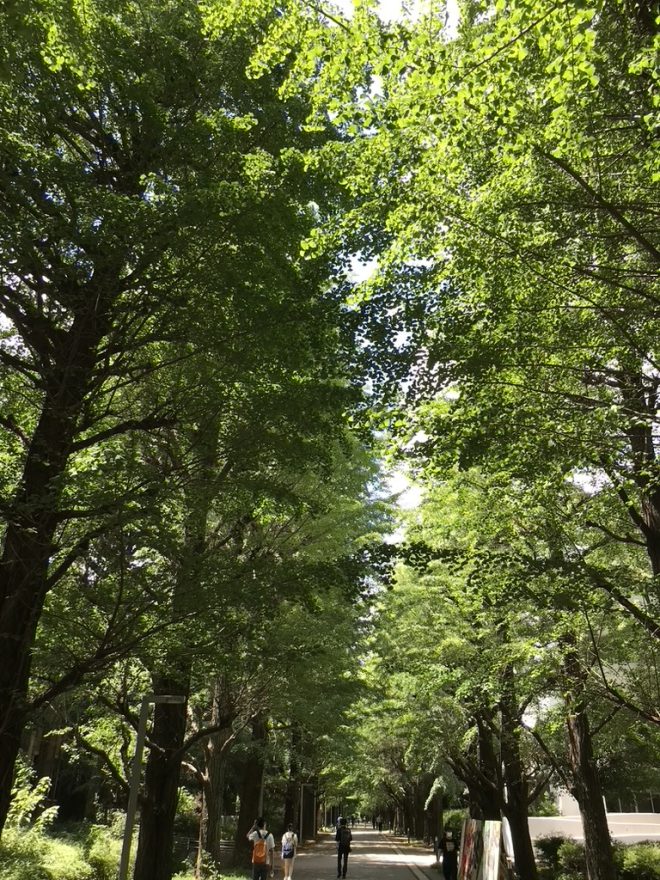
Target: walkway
[(373, 856)]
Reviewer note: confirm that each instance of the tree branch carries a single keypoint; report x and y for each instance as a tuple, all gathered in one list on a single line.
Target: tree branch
[(612, 210)]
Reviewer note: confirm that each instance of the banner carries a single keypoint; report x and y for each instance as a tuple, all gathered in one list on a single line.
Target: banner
[(482, 856)]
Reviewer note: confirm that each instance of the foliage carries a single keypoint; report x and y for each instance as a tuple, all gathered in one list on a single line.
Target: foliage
[(187, 813), (641, 861), (88, 852), (571, 861), (33, 854), (454, 819), (29, 808), (547, 848), (564, 858), (103, 850)]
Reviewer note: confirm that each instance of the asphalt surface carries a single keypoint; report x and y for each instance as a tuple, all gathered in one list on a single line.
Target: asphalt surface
[(373, 856)]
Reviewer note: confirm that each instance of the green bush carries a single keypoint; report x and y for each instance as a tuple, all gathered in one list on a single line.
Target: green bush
[(187, 816), (22, 855), (544, 806), (31, 855), (454, 819), (640, 861), (547, 848), (103, 851), (65, 860), (571, 860)]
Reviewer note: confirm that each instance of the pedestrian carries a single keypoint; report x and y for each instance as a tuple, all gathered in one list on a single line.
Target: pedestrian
[(263, 845), (289, 847), (343, 838), (449, 849)]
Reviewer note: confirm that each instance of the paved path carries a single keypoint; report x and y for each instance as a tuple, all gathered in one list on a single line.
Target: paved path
[(373, 856)]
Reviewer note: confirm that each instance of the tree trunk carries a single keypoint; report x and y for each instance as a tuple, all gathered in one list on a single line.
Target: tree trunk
[(158, 805), (32, 520), (517, 788), (588, 793), (251, 782), (216, 751), (487, 784), (158, 810), (586, 782), (421, 832), (291, 799)]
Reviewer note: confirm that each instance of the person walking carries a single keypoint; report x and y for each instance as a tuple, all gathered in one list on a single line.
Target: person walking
[(263, 844), (289, 847), (449, 851), (343, 838)]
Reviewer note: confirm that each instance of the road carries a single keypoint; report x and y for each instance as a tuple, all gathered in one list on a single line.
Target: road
[(372, 857), (626, 827)]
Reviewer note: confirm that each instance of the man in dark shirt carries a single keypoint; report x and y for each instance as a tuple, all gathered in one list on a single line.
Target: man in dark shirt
[(343, 838), (449, 849)]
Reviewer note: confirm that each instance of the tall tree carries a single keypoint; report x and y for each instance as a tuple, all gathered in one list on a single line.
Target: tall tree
[(143, 175)]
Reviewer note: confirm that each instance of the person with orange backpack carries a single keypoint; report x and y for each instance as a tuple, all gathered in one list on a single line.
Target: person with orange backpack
[(263, 844)]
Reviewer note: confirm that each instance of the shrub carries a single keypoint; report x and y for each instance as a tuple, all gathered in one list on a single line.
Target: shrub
[(29, 795), (454, 819), (187, 815), (572, 865), (544, 806), (65, 860), (548, 850), (22, 855), (103, 851), (31, 855), (641, 861)]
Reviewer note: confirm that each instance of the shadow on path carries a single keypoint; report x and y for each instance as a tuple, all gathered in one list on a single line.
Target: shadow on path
[(373, 856)]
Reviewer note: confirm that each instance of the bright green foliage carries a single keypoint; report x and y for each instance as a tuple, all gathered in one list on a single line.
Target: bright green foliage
[(641, 861), (512, 167)]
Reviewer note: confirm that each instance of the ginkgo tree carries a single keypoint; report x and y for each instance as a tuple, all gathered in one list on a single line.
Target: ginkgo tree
[(155, 201)]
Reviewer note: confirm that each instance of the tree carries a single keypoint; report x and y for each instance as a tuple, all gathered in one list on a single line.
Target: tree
[(143, 176)]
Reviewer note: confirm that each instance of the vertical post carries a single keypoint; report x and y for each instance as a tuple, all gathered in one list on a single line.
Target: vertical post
[(200, 838), (134, 788), (302, 789), (136, 772)]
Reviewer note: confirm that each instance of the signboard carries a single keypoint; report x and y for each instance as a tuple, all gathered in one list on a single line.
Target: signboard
[(482, 855)]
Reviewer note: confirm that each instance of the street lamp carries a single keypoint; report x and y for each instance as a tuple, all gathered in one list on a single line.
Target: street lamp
[(136, 772)]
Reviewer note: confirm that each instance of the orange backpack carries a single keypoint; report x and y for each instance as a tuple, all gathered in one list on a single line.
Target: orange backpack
[(259, 850)]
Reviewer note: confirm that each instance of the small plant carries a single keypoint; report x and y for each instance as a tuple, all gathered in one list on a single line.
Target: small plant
[(187, 815), (28, 807), (572, 864), (639, 862), (103, 847), (65, 860), (454, 819), (548, 850)]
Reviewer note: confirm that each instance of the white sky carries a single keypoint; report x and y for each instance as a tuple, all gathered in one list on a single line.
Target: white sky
[(411, 495)]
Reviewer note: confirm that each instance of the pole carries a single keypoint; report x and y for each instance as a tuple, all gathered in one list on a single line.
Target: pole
[(134, 787), (136, 772), (302, 789)]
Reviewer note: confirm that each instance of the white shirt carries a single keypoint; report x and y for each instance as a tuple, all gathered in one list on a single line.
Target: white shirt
[(290, 836)]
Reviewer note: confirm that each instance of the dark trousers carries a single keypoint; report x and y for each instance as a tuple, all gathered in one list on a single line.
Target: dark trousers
[(342, 865), (259, 871), (450, 866)]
